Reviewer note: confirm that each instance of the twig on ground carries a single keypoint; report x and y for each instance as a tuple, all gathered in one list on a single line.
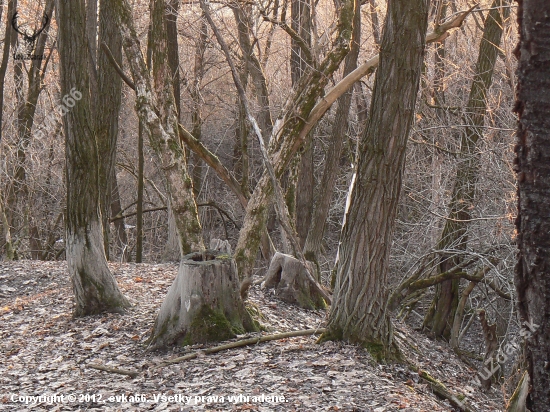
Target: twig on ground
[(129, 373)]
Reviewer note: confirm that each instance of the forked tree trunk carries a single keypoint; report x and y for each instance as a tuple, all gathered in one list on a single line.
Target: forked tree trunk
[(94, 287), (289, 278), (359, 311), (533, 222), (203, 304), (440, 317)]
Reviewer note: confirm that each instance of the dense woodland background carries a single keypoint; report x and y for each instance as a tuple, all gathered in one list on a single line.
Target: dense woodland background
[(457, 205)]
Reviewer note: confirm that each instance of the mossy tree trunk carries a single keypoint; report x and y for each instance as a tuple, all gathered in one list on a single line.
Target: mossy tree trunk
[(203, 304), (359, 311), (285, 140), (440, 316), (94, 286), (532, 277), (157, 110)]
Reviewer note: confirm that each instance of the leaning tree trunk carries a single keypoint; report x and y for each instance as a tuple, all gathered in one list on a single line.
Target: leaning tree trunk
[(533, 222), (440, 317), (286, 140), (94, 287), (160, 121), (359, 312), (203, 304)]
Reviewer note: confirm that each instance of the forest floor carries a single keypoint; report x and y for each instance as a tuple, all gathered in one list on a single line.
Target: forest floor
[(44, 351)]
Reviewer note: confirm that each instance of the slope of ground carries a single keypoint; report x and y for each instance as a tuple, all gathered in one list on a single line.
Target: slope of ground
[(44, 351)]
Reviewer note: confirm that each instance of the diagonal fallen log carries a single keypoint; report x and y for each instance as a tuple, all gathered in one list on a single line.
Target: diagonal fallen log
[(245, 342)]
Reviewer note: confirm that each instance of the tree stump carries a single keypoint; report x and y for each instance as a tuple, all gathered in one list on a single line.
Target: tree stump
[(203, 304), (289, 278)]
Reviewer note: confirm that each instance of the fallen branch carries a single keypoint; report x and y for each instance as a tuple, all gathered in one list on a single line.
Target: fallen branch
[(245, 342), (129, 373)]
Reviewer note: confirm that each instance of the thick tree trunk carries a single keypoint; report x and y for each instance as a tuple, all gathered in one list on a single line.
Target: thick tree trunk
[(440, 317), (94, 287), (533, 221), (359, 313), (203, 304), (108, 100)]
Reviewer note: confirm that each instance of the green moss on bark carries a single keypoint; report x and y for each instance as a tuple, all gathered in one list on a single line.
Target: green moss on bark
[(210, 325)]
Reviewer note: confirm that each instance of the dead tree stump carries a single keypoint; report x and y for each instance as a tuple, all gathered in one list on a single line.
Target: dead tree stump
[(291, 282), (203, 304)]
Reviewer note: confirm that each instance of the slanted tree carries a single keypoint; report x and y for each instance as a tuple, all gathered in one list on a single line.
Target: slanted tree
[(93, 284), (359, 310), (156, 109), (533, 221)]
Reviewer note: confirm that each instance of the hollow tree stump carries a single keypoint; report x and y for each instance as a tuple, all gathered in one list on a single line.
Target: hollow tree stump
[(289, 278), (203, 304)]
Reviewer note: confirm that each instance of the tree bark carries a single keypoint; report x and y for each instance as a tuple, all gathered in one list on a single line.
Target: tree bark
[(286, 140), (301, 181), (203, 304), (440, 317), (94, 287), (533, 221), (287, 275), (108, 101), (160, 121), (338, 136), (359, 313)]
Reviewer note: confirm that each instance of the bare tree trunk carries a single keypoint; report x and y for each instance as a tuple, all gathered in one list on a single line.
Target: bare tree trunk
[(120, 226), (338, 136), (440, 317), (94, 286), (171, 249), (359, 311), (108, 101), (301, 181), (5, 57), (160, 121), (533, 221), (195, 92)]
